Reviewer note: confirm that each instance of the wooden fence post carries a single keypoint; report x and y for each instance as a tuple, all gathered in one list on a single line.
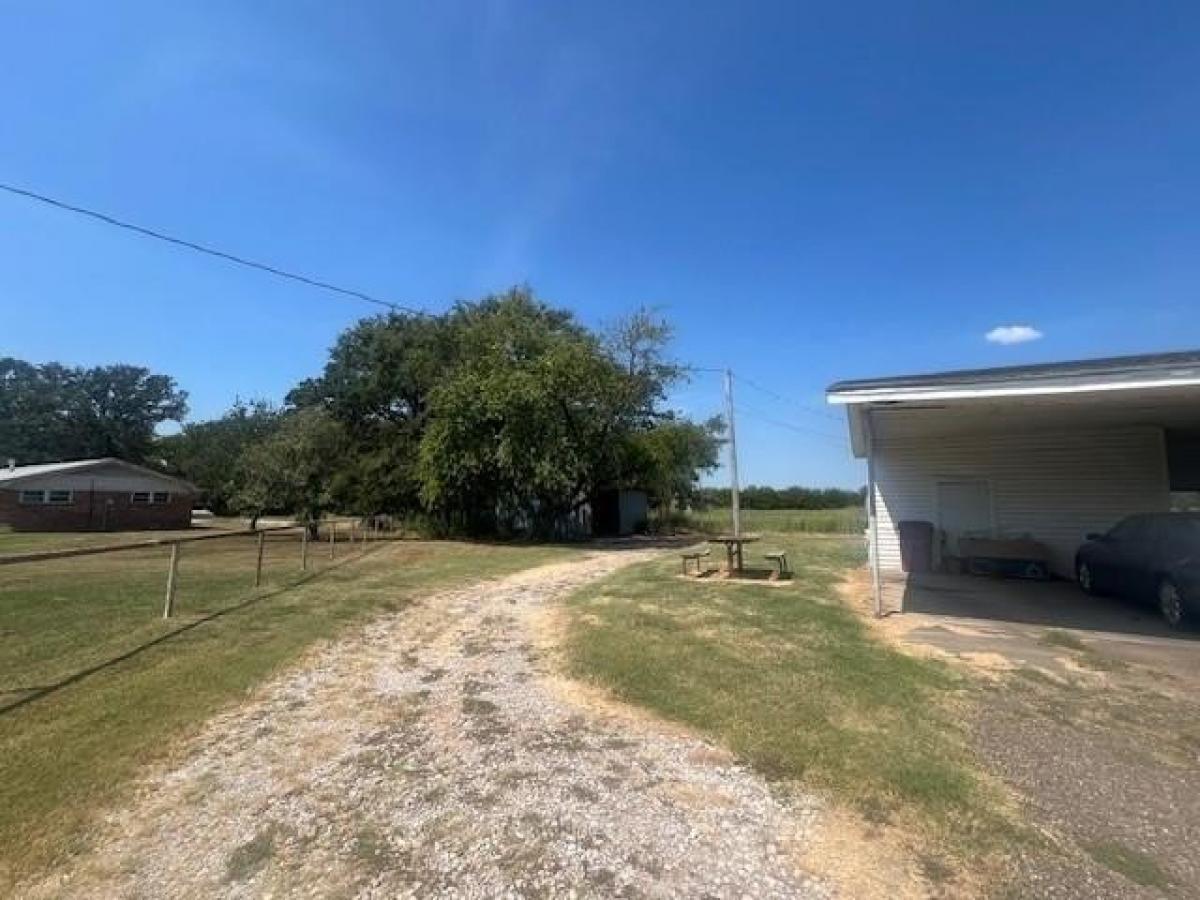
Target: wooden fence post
[(262, 536), (304, 548), (172, 575), (332, 538)]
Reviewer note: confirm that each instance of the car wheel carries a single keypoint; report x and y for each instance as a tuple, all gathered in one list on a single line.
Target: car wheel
[(1036, 571), (1087, 582), (1170, 603)]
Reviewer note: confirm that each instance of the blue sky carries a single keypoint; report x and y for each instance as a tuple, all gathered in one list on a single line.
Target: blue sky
[(809, 191)]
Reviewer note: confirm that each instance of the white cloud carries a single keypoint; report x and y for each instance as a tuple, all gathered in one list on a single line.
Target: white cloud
[(1013, 334)]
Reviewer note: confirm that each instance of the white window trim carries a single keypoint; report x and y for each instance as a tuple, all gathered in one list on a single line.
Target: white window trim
[(24, 498), (149, 495)]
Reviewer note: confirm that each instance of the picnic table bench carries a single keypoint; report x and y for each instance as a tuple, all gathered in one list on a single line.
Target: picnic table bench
[(779, 558), (696, 556)]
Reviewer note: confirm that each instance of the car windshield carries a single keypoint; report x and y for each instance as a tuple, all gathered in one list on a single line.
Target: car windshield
[(1127, 529)]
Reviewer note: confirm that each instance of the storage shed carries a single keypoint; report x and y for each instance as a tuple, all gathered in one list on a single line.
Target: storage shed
[(1042, 453), (619, 513), (93, 495)]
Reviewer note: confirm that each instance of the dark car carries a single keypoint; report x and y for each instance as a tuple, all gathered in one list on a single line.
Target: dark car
[(1151, 558)]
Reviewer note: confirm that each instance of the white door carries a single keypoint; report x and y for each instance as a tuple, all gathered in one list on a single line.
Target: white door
[(964, 508)]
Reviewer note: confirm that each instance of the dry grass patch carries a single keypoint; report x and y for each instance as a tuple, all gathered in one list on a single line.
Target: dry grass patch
[(795, 683), (69, 753)]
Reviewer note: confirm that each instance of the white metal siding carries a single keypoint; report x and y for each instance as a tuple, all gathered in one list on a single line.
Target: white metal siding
[(1056, 487)]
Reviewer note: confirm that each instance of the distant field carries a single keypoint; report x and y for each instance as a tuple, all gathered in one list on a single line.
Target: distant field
[(850, 520)]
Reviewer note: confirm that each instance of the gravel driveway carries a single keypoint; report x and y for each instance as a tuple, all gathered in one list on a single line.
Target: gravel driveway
[(431, 753)]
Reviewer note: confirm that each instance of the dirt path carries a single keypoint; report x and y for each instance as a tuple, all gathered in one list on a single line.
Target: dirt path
[(428, 754)]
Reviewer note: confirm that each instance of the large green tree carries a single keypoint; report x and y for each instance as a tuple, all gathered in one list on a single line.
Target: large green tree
[(294, 470), (537, 415), (53, 412), (501, 415), (376, 384), (208, 453), (668, 459)]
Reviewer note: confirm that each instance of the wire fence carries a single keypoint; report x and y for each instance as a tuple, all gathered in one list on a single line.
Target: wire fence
[(65, 612)]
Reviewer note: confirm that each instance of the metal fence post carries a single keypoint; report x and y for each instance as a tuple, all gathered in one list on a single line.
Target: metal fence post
[(172, 576), (262, 536), (304, 548), (332, 538)]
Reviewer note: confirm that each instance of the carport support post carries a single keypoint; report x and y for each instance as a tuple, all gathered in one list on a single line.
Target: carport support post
[(172, 576), (262, 535), (873, 515)]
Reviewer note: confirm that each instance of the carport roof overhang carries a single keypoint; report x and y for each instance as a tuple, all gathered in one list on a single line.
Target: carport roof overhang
[(1161, 390)]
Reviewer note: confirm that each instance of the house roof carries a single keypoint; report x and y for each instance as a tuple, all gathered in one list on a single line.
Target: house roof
[(21, 473), (1157, 370)]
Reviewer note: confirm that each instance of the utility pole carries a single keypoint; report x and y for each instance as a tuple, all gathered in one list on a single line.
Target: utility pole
[(733, 473)]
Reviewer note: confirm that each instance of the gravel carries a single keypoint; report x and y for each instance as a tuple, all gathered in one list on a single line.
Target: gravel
[(430, 753), (1105, 767)]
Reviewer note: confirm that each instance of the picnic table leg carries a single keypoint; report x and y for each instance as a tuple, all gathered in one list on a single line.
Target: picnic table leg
[(740, 558), (729, 559)]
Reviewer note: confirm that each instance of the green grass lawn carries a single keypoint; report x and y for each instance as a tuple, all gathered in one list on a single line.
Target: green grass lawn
[(851, 520), (790, 679), (68, 753)]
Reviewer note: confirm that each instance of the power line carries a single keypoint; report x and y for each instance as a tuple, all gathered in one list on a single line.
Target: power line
[(767, 417), (804, 407), (791, 426), (211, 251)]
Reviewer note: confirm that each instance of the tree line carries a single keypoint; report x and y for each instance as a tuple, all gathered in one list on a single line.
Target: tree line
[(502, 415), (54, 412), (795, 497)]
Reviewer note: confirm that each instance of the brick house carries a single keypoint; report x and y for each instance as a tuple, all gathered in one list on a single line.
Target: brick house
[(93, 495)]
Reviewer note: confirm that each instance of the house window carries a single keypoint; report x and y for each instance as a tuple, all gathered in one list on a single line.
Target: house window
[(47, 498), (149, 498)]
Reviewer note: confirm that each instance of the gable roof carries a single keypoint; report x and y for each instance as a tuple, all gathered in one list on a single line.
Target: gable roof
[(1112, 373), (9, 477)]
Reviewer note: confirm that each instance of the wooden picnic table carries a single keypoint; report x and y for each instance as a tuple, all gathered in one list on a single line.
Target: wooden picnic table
[(734, 544)]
